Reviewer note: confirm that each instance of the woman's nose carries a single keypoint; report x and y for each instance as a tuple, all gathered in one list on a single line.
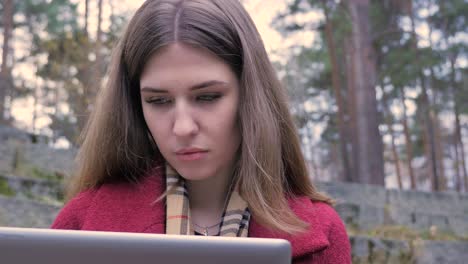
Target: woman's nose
[(184, 122)]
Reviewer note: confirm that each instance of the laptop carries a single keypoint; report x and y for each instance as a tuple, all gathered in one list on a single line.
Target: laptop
[(38, 246)]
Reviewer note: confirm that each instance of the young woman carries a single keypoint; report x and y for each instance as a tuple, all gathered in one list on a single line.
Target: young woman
[(192, 135)]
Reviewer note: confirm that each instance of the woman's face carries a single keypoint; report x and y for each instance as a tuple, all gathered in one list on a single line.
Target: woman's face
[(190, 100)]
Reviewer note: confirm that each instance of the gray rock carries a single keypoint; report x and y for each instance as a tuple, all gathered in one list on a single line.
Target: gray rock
[(35, 189), (355, 193), (459, 224), (374, 250), (7, 155), (441, 252), (9, 132), (366, 207), (38, 158), (361, 216), (16, 212)]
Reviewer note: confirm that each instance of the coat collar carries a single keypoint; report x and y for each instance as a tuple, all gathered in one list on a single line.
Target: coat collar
[(118, 207)]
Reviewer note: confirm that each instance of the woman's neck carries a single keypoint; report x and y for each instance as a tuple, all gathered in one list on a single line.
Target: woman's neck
[(207, 199)]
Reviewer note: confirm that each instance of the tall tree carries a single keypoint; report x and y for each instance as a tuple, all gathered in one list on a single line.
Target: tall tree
[(86, 16), (416, 74), (369, 147), (438, 84), (450, 20), (427, 110), (6, 82), (337, 90), (460, 160), (356, 117), (408, 141), (389, 120), (72, 64)]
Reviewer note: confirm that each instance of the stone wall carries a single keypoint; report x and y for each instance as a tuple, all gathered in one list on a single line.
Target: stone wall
[(362, 207), (26, 159), (16, 212), (367, 207), (12, 133), (367, 250), (41, 156), (7, 156), (45, 191)]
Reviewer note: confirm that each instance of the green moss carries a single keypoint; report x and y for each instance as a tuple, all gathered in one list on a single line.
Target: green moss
[(404, 258), (29, 195), (441, 235), (44, 174), (5, 188), (31, 171), (60, 196), (393, 232)]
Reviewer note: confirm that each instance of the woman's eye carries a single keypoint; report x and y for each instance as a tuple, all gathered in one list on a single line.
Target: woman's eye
[(208, 97), (159, 101)]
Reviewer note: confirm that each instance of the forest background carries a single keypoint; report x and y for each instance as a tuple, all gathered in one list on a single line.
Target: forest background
[(379, 88)]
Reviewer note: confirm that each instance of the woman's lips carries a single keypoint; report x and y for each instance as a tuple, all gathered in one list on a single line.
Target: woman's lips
[(191, 156)]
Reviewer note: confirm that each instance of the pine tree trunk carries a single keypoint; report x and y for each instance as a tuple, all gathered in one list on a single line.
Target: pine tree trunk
[(438, 144), (460, 159), (389, 121), (86, 18), (337, 86), (439, 151), (97, 51), (351, 125), (430, 136), (30, 26), (456, 163), (99, 35), (409, 144), (462, 148), (91, 88), (35, 100), (437, 127), (5, 76), (428, 112), (313, 166), (82, 101), (396, 159), (351, 106), (369, 140), (98, 64)]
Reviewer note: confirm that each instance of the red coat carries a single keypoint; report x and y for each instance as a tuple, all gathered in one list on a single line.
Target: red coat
[(121, 207)]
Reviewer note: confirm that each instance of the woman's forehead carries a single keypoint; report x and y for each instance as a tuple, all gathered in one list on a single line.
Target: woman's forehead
[(187, 66)]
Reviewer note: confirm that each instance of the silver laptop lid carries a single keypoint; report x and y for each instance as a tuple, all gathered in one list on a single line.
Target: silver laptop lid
[(37, 246)]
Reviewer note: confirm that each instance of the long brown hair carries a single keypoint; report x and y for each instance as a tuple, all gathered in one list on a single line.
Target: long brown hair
[(116, 144)]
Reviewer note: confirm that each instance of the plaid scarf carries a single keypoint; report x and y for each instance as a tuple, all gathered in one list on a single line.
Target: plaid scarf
[(234, 221)]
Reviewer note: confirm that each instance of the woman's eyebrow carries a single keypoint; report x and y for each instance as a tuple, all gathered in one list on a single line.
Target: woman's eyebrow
[(194, 87)]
